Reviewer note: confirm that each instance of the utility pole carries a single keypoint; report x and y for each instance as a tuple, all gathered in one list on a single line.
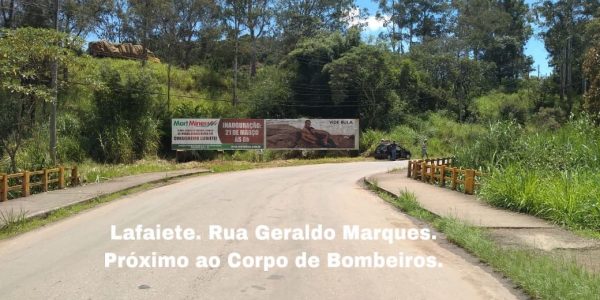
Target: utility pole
[(235, 62), (169, 79), (169, 87), (570, 73), (54, 83), (392, 18)]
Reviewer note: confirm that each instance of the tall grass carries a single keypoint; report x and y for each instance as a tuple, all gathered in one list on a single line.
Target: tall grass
[(566, 198), (554, 175), (444, 135)]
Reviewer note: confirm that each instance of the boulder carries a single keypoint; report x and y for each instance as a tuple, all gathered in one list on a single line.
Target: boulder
[(125, 50)]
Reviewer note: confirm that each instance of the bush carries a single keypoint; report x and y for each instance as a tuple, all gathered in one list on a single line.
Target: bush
[(504, 107), (34, 154), (498, 146), (116, 145), (124, 118), (69, 149)]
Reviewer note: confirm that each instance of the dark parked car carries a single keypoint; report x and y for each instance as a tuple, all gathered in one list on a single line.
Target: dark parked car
[(382, 151)]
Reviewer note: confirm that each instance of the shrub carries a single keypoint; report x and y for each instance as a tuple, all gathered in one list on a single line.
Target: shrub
[(504, 107), (116, 145), (124, 122)]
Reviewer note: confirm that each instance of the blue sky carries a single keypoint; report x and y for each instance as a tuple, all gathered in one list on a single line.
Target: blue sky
[(534, 47)]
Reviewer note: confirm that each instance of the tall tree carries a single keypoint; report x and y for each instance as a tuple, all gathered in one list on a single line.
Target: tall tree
[(24, 53), (304, 18), (564, 23), (496, 31), (413, 21), (80, 17), (187, 27), (234, 17), (256, 17)]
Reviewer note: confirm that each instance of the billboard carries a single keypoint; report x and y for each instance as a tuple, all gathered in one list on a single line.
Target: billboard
[(313, 134), (217, 134)]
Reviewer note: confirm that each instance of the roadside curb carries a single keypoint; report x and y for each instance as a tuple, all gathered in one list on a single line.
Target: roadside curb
[(46, 212), (377, 188)]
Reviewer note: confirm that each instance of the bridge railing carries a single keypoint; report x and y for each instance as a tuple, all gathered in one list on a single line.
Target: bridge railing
[(439, 171), (27, 182)]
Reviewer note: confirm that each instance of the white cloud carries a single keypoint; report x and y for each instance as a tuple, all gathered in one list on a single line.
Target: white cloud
[(372, 23)]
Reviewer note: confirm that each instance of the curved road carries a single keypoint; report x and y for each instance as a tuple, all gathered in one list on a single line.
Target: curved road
[(66, 260)]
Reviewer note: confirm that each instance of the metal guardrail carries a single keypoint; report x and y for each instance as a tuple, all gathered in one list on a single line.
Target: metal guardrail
[(440, 172), (45, 179)]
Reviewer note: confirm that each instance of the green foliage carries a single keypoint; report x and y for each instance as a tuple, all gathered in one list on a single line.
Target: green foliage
[(124, 120), (24, 54), (363, 75), (591, 67), (269, 94), (444, 136), (115, 145), (548, 118), (35, 154), (504, 107), (570, 198), (550, 173), (564, 25), (497, 31), (450, 83)]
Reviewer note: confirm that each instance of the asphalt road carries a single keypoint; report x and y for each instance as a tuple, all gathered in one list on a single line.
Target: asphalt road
[(66, 260)]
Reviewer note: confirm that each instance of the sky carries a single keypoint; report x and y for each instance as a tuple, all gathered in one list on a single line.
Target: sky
[(534, 47)]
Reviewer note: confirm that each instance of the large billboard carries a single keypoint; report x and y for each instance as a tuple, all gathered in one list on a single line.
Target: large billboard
[(314, 134), (217, 134)]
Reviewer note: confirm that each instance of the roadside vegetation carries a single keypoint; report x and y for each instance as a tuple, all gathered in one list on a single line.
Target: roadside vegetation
[(551, 173), (540, 275)]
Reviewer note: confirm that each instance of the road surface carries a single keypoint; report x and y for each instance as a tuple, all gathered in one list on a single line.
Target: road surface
[(66, 260)]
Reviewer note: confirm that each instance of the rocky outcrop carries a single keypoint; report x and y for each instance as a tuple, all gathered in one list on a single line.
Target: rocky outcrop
[(125, 50)]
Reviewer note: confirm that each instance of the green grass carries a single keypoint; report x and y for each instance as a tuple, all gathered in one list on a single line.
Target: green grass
[(540, 275), (570, 199), (95, 172), (551, 174)]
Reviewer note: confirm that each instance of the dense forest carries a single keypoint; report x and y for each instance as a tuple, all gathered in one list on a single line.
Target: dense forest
[(454, 72)]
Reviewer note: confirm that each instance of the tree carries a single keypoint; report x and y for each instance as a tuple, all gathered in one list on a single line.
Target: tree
[(364, 76), (234, 16), (24, 57), (496, 31), (564, 24), (188, 27), (257, 16), (591, 68), (304, 18), (125, 122), (310, 82), (80, 17), (414, 21)]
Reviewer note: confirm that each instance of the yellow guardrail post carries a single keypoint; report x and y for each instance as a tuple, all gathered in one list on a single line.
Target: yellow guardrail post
[(25, 184), (4, 188), (61, 177)]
